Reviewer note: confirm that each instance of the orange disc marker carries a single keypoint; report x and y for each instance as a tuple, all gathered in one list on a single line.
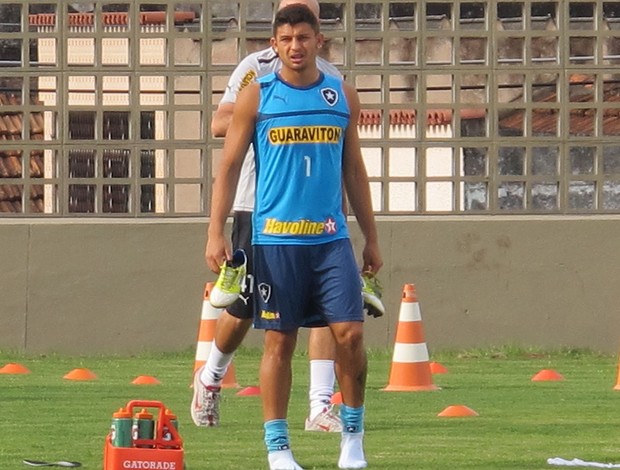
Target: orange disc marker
[(337, 398), (14, 368), (437, 368), (80, 374), (145, 380), (457, 411), (547, 375), (248, 392)]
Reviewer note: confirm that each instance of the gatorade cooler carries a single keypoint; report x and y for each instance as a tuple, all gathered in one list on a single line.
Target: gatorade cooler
[(164, 451)]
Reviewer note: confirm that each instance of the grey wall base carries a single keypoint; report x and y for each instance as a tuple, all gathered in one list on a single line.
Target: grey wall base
[(126, 286)]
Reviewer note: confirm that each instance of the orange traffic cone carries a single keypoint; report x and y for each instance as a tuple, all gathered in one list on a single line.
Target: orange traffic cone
[(410, 370), (617, 387), (206, 333)]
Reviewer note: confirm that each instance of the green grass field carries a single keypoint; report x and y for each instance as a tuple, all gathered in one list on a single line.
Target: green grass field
[(520, 424)]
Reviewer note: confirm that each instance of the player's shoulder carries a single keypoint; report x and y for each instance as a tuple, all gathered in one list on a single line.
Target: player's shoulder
[(328, 68), (263, 61)]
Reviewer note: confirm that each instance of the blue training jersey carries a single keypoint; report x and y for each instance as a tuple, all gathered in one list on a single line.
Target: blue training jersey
[(299, 141)]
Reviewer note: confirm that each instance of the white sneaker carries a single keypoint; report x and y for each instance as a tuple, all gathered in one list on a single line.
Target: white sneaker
[(371, 294), (282, 460), (325, 421), (232, 276), (352, 451), (205, 408)]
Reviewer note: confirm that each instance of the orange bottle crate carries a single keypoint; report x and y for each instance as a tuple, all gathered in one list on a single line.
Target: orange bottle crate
[(160, 453)]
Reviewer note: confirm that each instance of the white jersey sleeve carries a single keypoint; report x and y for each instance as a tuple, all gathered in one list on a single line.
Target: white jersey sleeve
[(249, 69)]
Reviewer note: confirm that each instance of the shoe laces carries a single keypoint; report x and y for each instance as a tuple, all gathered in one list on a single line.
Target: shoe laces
[(233, 269), (229, 275), (212, 400), (209, 402), (372, 283), (329, 414)]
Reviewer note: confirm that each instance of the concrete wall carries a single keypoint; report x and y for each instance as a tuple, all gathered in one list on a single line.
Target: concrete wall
[(125, 286)]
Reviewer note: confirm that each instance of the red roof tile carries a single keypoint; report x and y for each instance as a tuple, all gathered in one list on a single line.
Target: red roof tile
[(13, 160), (110, 18), (434, 117), (581, 121)]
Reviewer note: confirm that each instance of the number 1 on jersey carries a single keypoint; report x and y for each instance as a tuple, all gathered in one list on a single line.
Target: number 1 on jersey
[(308, 165)]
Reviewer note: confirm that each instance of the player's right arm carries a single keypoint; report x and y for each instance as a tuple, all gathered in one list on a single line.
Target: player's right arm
[(221, 119), (237, 141)]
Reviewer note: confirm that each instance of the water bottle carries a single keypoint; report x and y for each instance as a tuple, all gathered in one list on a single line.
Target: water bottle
[(120, 430), (172, 419), (143, 426)]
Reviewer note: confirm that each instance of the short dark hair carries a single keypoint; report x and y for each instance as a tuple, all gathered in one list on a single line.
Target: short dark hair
[(294, 15)]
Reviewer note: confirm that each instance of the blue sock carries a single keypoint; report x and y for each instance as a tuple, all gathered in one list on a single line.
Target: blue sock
[(276, 435), (352, 419)]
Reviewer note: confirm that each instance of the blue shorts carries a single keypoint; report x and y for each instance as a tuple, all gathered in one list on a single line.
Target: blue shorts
[(306, 285)]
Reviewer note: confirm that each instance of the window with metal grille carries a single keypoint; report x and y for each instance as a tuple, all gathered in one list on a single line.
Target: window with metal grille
[(486, 107)]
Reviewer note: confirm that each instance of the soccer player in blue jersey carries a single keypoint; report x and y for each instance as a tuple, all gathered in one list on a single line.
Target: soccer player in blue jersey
[(303, 125), (234, 322)]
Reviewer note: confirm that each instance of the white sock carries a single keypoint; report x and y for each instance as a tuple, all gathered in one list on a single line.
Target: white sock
[(352, 451), (322, 380), (216, 366), (282, 460)]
